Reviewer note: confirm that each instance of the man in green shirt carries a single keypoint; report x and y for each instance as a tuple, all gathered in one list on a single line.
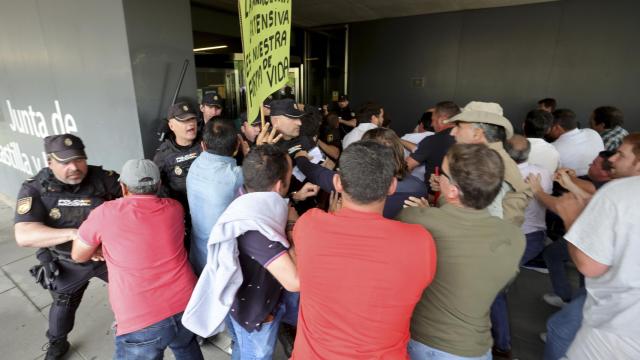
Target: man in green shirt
[(478, 254)]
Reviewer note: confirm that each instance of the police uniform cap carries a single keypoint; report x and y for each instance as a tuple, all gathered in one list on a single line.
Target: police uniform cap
[(212, 99), (65, 147), (286, 107), (343, 97), (181, 111)]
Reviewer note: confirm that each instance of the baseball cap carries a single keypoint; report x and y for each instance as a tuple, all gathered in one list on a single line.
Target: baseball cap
[(343, 97), (181, 111), (286, 107), (483, 112), (65, 147), (212, 99), (139, 172)]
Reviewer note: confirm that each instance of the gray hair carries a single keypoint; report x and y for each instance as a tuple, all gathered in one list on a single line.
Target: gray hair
[(493, 133), (517, 153)]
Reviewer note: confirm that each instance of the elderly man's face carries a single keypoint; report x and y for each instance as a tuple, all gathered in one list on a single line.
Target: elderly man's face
[(466, 133), (69, 172)]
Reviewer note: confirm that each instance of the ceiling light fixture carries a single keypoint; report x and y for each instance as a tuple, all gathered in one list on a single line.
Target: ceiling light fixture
[(210, 48)]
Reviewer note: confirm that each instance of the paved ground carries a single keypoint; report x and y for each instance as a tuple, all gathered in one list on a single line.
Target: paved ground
[(24, 307)]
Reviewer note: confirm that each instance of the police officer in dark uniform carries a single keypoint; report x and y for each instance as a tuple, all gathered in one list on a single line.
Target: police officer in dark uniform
[(210, 107), (176, 154), (50, 208), (345, 115)]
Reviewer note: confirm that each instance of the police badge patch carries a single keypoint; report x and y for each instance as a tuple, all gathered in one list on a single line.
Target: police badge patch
[(177, 170), (55, 214), (68, 142), (23, 205)]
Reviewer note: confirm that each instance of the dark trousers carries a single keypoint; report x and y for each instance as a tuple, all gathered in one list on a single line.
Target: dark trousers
[(70, 285), (500, 329)]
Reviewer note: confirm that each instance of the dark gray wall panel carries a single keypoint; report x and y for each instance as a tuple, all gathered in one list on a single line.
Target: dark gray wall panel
[(581, 52), (160, 38), (74, 52)]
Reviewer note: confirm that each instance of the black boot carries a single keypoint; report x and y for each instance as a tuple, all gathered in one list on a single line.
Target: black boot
[(56, 349)]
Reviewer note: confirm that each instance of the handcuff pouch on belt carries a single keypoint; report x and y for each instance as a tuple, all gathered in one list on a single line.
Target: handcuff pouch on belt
[(46, 272)]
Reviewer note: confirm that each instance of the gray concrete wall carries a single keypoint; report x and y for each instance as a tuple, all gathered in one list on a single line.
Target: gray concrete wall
[(581, 52), (64, 61), (160, 38)]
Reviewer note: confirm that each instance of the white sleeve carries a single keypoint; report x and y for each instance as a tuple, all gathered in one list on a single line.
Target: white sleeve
[(594, 231)]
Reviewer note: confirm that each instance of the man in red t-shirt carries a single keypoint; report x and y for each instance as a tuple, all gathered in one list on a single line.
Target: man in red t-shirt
[(361, 275), (150, 280)]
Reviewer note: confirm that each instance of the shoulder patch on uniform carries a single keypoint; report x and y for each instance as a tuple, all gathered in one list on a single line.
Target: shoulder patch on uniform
[(23, 205)]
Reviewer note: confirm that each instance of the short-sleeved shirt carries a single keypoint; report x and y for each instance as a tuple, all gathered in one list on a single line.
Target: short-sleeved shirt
[(360, 278), (150, 277), (544, 154), (578, 148), (608, 231), (46, 200), (478, 254), (260, 292), (431, 151)]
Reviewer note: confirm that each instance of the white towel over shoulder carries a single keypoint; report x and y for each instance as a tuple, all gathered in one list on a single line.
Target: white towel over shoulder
[(215, 291)]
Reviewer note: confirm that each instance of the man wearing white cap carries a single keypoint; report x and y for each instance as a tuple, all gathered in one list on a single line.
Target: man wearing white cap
[(150, 279), (483, 123)]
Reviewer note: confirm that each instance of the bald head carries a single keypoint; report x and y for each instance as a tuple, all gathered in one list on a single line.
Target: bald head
[(518, 148)]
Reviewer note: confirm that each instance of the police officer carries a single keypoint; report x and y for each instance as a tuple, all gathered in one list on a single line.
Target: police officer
[(175, 155), (210, 107), (50, 208), (345, 115)]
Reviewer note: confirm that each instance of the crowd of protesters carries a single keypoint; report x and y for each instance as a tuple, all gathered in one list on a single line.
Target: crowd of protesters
[(321, 227)]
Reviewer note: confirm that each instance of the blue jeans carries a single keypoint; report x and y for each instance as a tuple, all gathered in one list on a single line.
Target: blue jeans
[(563, 326), (555, 256), (150, 342), (535, 245), (291, 301), (420, 351), (257, 344)]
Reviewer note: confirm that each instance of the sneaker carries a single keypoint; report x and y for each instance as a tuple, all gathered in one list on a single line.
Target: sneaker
[(56, 349), (553, 300), (543, 337)]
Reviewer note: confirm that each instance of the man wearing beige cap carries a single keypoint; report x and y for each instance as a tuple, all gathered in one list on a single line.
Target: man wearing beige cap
[(150, 278), (50, 208), (483, 123)]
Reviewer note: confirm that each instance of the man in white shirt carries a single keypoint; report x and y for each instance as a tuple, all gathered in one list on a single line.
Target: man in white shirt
[(603, 243), (536, 126), (534, 226), (577, 147), (370, 117), (415, 137)]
